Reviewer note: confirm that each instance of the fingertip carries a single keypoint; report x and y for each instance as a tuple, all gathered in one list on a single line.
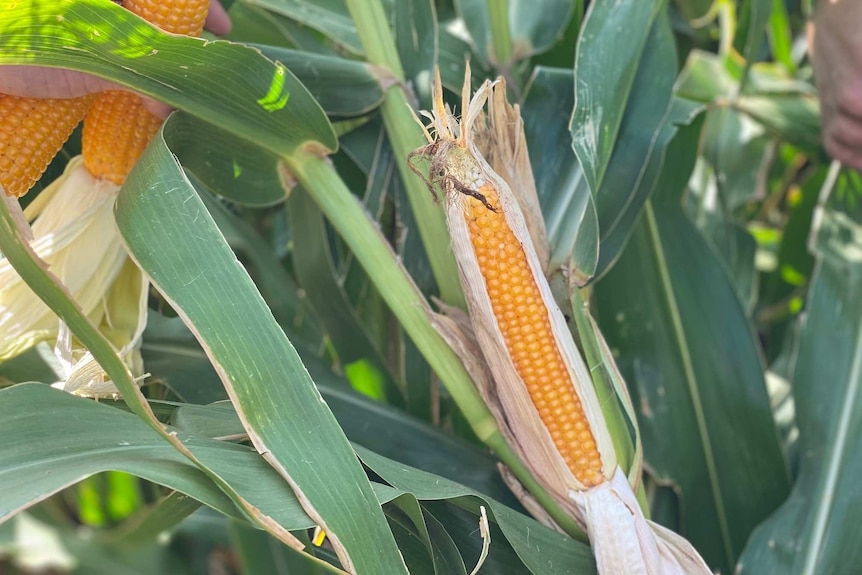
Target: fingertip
[(218, 22), (156, 108)]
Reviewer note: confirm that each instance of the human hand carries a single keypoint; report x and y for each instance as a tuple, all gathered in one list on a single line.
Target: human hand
[(835, 40), (40, 82)]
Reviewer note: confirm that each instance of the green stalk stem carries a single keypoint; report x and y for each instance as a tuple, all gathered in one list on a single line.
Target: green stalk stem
[(498, 14), (405, 135), (350, 219)]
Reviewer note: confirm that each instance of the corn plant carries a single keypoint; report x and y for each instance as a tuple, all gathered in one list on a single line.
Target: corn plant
[(405, 286)]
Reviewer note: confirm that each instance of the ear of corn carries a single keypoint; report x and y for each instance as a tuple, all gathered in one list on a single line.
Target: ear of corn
[(541, 392), (118, 127), (542, 383), (31, 134)]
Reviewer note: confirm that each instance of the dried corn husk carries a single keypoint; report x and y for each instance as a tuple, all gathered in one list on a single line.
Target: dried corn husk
[(623, 540)]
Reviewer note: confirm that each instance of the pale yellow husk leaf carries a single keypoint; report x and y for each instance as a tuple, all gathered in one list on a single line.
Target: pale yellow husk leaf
[(623, 540), (74, 233)]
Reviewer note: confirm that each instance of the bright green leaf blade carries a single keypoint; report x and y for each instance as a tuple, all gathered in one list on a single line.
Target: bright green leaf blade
[(781, 35), (814, 531), (171, 236), (610, 48), (227, 84), (671, 314)]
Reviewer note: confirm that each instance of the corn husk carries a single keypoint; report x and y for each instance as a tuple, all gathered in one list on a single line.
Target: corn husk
[(624, 541), (73, 232)]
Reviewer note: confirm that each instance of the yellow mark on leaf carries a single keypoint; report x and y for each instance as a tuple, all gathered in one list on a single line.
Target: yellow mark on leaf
[(237, 170), (319, 536)]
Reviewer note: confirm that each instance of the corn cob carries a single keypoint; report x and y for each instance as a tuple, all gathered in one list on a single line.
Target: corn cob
[(523, 320), (31, 134), (118, 127)]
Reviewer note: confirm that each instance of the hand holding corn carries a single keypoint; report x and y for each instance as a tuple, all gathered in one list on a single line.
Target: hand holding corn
[(42, 106), (41, 109)]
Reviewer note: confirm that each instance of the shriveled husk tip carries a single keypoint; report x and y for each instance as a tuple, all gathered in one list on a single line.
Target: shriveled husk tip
[(74, 233), (623, 539)]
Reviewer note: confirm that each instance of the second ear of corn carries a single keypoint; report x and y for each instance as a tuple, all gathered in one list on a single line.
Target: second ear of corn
[(118, 127), (544, 389), (534, 378)]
